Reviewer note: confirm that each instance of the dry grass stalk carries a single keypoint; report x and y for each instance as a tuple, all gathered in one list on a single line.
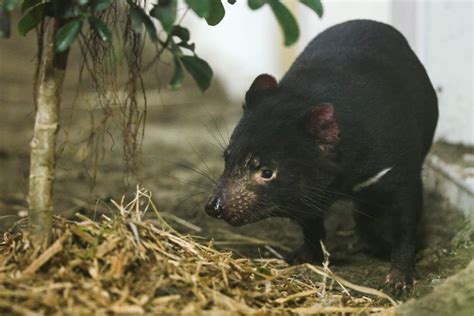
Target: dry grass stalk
[(126, 265), (56, 247)]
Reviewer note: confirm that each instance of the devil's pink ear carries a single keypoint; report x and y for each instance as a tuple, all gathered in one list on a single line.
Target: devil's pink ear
[(264, 82), (321, 123)]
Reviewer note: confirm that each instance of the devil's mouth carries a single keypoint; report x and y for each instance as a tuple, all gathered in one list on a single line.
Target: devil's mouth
[(235, 219), (239, 218), (242, 215)]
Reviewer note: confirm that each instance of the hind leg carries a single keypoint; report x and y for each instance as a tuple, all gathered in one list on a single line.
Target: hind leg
[(405, 216), (393, 209)]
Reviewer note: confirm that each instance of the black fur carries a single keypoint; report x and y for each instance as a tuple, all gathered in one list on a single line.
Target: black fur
[(386, 112)]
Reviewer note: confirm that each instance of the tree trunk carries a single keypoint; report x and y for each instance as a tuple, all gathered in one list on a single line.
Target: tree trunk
[(4, 23), (43, 145)]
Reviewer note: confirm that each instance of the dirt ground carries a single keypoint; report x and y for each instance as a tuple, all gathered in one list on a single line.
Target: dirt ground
[(178, 146), (183, 137)]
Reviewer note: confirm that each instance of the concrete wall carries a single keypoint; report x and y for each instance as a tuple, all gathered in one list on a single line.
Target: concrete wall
[(447, 51)]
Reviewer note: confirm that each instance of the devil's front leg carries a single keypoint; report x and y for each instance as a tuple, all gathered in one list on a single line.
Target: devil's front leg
[(310, 251)]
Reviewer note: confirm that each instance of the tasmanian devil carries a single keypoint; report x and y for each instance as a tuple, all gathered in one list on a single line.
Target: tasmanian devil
[(353, 117)]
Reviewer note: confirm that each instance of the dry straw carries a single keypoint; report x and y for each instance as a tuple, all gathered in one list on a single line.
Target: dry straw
[(127, 265)]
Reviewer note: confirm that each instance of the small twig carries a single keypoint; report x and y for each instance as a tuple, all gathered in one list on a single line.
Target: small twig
[(181, 221), (56, 247), (17, 308), (246, 240), (164, 46), (83, 235), (358, 288), (282, 300), (274, 252), (318, 310)]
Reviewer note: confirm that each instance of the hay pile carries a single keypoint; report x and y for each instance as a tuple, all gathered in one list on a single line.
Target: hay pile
[(128, 265)]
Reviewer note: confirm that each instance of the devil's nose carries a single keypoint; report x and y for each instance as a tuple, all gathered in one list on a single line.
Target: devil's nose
[(214, 207)]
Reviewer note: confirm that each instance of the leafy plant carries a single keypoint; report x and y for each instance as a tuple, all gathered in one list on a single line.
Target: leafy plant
[(61, 23), (163, 12)]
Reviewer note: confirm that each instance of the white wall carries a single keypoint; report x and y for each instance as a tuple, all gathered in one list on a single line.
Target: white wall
[(243, 45), (337, 11), (441, 33), (447, 52), (248, 43)]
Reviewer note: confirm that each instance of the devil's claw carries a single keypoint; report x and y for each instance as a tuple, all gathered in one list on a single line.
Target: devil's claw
[(397, 282)]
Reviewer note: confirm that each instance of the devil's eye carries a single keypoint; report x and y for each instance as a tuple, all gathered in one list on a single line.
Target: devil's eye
[(267, 173)]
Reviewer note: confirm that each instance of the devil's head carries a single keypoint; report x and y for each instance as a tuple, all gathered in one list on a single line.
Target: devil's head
[(280, 154)]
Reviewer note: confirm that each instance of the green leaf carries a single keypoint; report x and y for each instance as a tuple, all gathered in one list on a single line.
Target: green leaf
[(31, 18), (65, 10), (101, 29), (200, 7), (26, 4), (181, 32), (189, 46), (177, 80), (101, 5), (286, 20), (256, 4), (138, 18), (165, 12), (67, 34), (216, 12), (9, 5), (315, 5), (199, 70)]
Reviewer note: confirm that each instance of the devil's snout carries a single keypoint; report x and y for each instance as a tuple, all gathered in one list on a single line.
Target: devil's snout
[(215, 207)]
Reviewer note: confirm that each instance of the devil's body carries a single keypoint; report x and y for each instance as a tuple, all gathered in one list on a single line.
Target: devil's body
[(370, 134)]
